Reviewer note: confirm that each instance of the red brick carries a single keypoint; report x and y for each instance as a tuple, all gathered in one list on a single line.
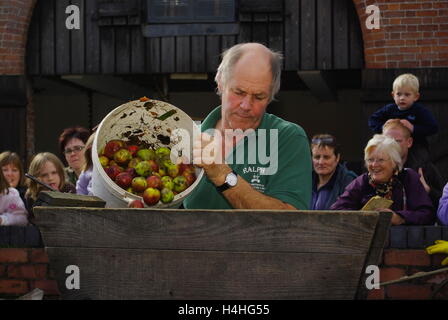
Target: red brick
[(13, 255), (427, 13), (39, 256), (408, 291), (388, 274), (376, 294), (406, 258), (8, 286), (27, 271), (50, 287)]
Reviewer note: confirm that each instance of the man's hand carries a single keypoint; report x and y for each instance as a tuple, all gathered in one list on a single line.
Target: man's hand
[(407, 124), (396, 218), (207, 154)]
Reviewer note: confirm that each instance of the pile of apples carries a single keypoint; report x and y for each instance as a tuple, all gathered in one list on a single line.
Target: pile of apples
[(145, 172)]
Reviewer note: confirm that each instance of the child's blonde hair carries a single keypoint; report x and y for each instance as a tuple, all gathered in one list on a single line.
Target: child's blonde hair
[(407, 80), (35, 169)]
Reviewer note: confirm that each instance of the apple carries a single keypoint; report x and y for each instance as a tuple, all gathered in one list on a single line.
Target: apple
[(154, 165), (166, 195), (180, 184), (172, 170), (151, 196), (139, 184), (183, 167), (104, 161), (134, 162), (163, 153), (190, 177), (167, 182), (136, 204), (113, 146), (133, 150), (122, 157), (143, 168), (154, 182), (124, 180), (113, 170), (146, 154), (131, 171)]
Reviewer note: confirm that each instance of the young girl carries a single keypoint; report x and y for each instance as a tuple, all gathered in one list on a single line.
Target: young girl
[(84, 183), (12, 209), (49, 169), (12, 169)]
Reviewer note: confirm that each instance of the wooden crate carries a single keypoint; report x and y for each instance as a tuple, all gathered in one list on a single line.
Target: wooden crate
[(214, 254)]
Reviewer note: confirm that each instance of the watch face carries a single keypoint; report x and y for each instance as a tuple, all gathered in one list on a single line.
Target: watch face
[(232, 179)]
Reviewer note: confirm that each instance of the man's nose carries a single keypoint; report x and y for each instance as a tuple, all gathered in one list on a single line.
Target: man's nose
[(246, 103)]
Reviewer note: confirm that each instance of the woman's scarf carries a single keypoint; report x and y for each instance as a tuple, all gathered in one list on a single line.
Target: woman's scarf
[(384, 189)]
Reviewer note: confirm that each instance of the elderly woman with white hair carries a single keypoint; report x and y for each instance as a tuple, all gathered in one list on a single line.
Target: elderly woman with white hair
[(387, 178)]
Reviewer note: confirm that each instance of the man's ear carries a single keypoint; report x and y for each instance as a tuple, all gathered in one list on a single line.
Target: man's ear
[(410, 142)]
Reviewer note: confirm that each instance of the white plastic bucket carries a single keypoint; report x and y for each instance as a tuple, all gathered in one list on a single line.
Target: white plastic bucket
[(137, 119)]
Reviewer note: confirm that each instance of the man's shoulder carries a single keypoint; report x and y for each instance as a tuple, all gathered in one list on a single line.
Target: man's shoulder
[(283, 126)]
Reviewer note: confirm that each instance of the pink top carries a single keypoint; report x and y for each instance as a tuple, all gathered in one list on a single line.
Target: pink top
[(12, 209)]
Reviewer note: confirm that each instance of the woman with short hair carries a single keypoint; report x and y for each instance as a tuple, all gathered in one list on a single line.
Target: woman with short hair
[(330, 176), (387, 178)]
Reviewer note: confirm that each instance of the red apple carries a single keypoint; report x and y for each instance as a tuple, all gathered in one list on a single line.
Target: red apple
[(154, 182), (113, 170), (134, 161), (151, 196), (124, 180), (154, 165), (131, 171), (190, 177), (112, 147), (136, 204), (122, 157), (133, 149)]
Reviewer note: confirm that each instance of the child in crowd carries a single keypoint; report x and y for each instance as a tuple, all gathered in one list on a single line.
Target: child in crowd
[(12, 209), (84, 183), (12, 169), (442, 212), (413, 115), (49, 169)]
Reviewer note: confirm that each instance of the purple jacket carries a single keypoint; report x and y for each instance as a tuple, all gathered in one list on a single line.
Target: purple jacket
[(442, 213), (418, 210)]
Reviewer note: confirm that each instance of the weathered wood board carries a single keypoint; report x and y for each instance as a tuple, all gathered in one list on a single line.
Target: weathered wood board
[(216, 254)]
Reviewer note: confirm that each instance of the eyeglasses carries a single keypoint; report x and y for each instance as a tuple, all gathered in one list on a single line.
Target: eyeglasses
[(75, 149), (379, 161)]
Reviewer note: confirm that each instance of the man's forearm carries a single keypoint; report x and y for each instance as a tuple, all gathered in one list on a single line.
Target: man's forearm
[(244, 196)]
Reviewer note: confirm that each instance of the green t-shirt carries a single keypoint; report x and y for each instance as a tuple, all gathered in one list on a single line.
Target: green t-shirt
[(282, 172)]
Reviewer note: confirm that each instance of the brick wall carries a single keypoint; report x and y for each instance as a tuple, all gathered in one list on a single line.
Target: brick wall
[(15, 16), (405, 255), (412, 34), (22, 270)]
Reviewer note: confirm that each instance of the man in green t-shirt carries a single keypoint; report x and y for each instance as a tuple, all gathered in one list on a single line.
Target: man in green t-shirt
[(251, 159)]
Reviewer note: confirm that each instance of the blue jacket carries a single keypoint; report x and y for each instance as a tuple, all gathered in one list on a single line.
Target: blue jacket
[(340, 179), (421, 118)]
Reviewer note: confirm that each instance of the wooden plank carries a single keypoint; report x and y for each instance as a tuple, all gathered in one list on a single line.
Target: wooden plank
[(17, 236), (32, 237), (340, 34), (292, 34), (260, 6), (324, 34), (213, 48), (227, 42), (341, 232), (171, 274), (198, 54), (78, 41), (107, 38), (183, 54), (92, 42), (275, 34), (153, 60), (137, 51), (33, 51), (245, 29), (123, 50), (308, 35), (356, 42), (375, 252), (59, 199), (168, 52), (48, 60), (62, 39)]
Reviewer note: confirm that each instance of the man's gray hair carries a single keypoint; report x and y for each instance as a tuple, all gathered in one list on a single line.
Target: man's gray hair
[(232, 55)]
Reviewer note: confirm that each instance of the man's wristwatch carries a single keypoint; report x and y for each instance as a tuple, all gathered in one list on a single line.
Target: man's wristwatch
[(231, 181)]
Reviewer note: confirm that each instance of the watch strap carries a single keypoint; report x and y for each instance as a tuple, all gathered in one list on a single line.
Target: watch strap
[(225, 185)]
